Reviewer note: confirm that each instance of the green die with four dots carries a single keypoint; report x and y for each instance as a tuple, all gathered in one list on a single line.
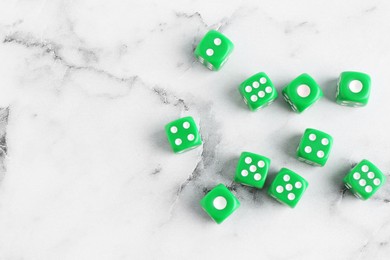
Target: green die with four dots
[(214, 50), (315, 147), (183, 134), (302, 93), (219, 203), (252, 170), (364, 179), (288, 187), (258, 91), (353, 89)]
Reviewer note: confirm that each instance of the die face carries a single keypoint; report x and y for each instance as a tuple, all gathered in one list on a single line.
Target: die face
[(315, 147), (302, 93), (252, 170), (214, 50), (353, 89), (183, 134), (288, 187), (258, 91), (219, 203), (364, 179)]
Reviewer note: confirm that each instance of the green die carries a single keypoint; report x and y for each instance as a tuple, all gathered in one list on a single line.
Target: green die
[(288, 187), (219, 203), (214, 50), (314, 147), (183, 134), (258, 91), (302, 93), (252, 170), (353, 89), (364, 179)]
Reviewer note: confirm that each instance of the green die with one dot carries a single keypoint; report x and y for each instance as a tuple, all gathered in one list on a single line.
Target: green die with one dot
[(252, 170), (183, 134), (219, 203), (214, 50), (315, 147), (302, 93), (258, 91), (364, 179), (288, 187), (353, 89)]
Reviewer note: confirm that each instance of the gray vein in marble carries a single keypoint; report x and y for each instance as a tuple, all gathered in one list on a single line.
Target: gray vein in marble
[(4, 113)]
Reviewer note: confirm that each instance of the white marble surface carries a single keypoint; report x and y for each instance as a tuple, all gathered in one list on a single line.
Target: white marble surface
[(91, 84)]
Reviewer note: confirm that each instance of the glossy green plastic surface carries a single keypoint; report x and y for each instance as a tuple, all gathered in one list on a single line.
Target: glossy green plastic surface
[(252, 170), (183, 134), (315, 147), (353, 89)]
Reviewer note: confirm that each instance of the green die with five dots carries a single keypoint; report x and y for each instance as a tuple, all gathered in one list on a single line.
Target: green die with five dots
[(315, 147), (288, 187), (353, 89), (364, 179), (219, 203), (258, 91), (302, 93), (214, 50), (252, 170), (183, 134)]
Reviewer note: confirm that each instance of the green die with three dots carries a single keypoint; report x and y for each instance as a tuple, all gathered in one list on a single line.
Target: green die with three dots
[(364, 179), (219, 203), (288, 187), (302, 93), (353, 89), (315, 147), (258, 91), (214, 50), (183, 134), (252, 170)]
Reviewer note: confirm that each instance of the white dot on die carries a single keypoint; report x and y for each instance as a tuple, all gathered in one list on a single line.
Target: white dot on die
[(255, 84), (257, 177), (178, 141), (371, 175), (173, 129), (362, 182), (252, 168), (190, 137), (261, 94), (263, 80), (186, 125), (248, 160), (268, 90), (244, 173), (355, 86), (298, 185), (308, 149), (320, 154), (356, 176), (368, 188), (217, 41), (279, 189), (291, 196), (248, 89), (219, 203), (286, 177), (261, 164), (325, 141), (289, 187), (312, 137), (303, 90), (254, 98), (365, 168), (377, 181), (209, 52)]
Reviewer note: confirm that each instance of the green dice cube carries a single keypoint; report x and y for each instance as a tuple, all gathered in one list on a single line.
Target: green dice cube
[(214, 50), (258, 91), (252, 170), (364, 179), (219, 203), (288, 187), (353, 89), (302, 93), (315, 147), (183, 134)]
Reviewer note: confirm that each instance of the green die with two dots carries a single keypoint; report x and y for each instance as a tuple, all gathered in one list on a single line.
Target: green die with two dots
[(183, 134), (219, 203), (258, 91), (364, 179), (214, 50), (353, 89), (302, 93), (252, 170), (315, 147), (288, 187)]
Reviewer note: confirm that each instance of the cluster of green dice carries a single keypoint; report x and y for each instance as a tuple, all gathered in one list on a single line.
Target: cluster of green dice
[(288, 187)]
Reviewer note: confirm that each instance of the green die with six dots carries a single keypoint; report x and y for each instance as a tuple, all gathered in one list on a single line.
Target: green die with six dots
[(353, 89), (252, 170), (315, 147), (183, 134)]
